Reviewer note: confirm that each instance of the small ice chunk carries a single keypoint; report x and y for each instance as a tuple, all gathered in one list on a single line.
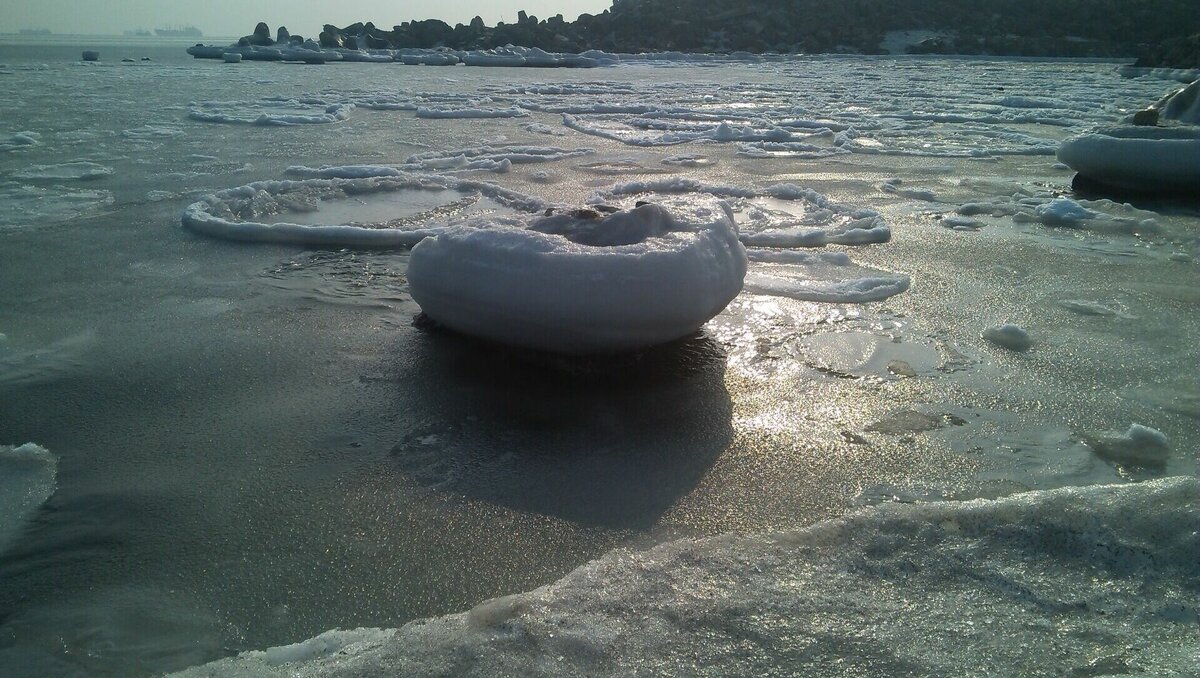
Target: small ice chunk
[(961, 223), (1140, 445), (1009, 336), (1062, 212)]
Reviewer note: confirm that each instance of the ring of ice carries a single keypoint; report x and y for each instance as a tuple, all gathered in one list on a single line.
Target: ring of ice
[(578, 283), (243, 213), (1150, 159), (498, 264)]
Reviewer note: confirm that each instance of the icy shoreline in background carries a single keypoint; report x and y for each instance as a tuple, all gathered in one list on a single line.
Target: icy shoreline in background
[(942, 588)]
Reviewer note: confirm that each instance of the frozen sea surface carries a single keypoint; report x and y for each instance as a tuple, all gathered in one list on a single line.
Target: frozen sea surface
[(255, 442)]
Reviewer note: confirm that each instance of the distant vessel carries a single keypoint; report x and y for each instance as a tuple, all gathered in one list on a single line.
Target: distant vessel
[(139, 32), (179, 32)]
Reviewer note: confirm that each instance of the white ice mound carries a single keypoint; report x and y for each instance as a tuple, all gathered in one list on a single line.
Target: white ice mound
[(927, 588), (27, 479), (1182, 105), (1140, 445), (1137, 158), (355, 206), (581, 283)]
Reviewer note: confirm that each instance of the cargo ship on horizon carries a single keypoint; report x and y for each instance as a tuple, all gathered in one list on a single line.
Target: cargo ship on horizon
[(179, 32)]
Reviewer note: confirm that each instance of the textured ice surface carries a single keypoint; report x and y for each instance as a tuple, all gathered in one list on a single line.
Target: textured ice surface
[(584, 283), (30, 206), (942, 588), (513, 112), (776, 220), (315, 211), (27, 478), (1038, 207), (20, 140), (783, 215), (65, 171), (271, 112)]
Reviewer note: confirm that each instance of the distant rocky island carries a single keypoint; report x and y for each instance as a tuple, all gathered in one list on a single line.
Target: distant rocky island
[(1058, 28)]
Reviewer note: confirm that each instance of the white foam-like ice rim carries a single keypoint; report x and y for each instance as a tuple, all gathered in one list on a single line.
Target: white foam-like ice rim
[(920, 588), (200, 217), (865, 226)]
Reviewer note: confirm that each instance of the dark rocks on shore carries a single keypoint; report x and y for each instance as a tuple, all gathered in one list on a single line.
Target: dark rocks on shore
[(1002, 27), (1177, 53)]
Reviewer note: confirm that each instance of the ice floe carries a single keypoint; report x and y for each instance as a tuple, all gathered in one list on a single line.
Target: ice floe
[(360, 206), (1103, 215), (782, 215), (580, 282), (29, 206), (1137, 158), (20, 140), (1102, 568), (79, 170), (471, 113), (1140, 445), (268, 112)]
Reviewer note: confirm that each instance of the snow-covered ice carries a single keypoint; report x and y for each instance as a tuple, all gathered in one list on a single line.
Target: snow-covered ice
[(582, 282), (1139, 445), (945, 576), (247, 212), (1146, 159)]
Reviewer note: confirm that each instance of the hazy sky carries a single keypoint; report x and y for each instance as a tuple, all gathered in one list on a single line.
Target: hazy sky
[(237, 17)]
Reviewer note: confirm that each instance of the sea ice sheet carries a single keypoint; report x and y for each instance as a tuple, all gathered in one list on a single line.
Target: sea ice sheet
[(962, 587)]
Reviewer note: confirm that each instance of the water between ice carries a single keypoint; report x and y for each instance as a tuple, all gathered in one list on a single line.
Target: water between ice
[(255, 443)]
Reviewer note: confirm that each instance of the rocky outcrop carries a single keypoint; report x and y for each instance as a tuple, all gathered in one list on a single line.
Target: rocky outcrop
[(261, 36), (1177, 53)]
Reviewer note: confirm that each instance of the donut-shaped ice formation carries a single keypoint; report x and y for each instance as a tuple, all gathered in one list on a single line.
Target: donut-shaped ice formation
[(1136, 158), (351, 207), (582, 282)]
